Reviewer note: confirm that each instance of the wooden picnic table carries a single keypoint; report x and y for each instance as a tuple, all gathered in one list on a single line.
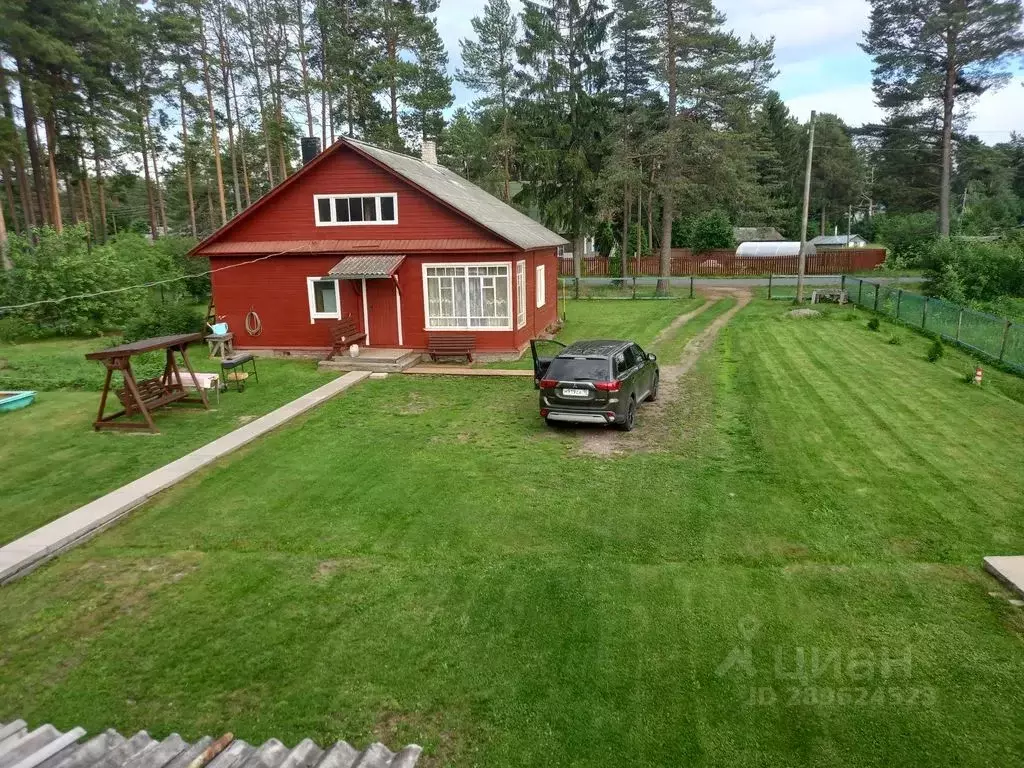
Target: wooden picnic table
[(147, 395)]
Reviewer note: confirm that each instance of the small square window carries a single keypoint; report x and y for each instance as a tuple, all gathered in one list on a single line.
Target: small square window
[(387, 209), (325, 297)]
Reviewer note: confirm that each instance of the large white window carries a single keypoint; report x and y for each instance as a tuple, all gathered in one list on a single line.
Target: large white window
[(520, 294), (324, 299), (350, 210), (468, 296), (541, 297)]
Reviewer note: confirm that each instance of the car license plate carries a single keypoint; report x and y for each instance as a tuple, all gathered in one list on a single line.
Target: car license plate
[(575, 392)]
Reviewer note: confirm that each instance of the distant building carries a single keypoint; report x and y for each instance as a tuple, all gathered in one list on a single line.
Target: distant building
[(839, 241), (756, 235)]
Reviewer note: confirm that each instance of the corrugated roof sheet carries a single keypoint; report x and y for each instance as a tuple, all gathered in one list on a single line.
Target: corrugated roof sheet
[(366, 267), (473, 202), (47, 747), (835, 239), (446, 245)]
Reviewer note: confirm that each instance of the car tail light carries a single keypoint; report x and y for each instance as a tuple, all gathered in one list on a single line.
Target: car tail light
[(544, 412), (548, 383), (610, 415), (607, 386)]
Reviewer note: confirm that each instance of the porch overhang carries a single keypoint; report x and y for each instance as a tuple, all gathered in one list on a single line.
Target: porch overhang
[(366, 267)]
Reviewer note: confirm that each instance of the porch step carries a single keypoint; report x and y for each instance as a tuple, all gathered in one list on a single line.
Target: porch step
[(378, 361)]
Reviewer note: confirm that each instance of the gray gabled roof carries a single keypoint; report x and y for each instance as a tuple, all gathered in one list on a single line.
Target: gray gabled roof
[(835, 239), (467, 198)]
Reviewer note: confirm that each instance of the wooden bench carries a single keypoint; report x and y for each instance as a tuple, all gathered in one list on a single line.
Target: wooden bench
[(344, 333), (152, 393), (450, 345)]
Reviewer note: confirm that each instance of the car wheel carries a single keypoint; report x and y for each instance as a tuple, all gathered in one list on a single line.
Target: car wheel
[(654, 389), (630, 420)]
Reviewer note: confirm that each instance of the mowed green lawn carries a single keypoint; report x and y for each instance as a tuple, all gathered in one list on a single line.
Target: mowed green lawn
[(51, 460), (795, 580)]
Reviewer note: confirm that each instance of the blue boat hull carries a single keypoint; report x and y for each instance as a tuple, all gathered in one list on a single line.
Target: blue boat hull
[(12, 401)]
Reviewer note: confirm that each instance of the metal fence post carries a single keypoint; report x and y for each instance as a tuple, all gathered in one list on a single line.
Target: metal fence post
[(842, 282), (1006, 333), (860, 289), (959, 322), (899, 300), (634, 286), (691, 286), (924, 313), (769, 285), (876, 297)]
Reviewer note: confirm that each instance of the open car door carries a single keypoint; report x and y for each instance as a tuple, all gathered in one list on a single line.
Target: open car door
[(543, 351)]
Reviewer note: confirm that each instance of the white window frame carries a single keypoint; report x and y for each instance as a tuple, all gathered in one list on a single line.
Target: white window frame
[(520, 293), (375, 195), (541, 287), (458, 265), (313, 314)]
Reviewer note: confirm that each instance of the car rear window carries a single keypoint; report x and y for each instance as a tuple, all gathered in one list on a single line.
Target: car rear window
[(578, 369)]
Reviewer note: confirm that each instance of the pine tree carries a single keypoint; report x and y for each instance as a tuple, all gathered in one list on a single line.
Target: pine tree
[(941, 54), (488, 67), (428, 91), (564, 113)]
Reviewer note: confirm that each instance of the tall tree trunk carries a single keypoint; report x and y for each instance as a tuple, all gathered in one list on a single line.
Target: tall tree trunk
[(279, 102), (222, 45), (209, 202), (90, 206), (214, 139), (101, 195), (625, 230), (32, 139), (19, 161), (149, 183), (303, 68), (51, 146), (392, 52), (667, 193), (69, 182), (9, 188), (259, 89), (156, 178), (186, 160), (5, 260), (948, 96), (241, 141), (324, 89)]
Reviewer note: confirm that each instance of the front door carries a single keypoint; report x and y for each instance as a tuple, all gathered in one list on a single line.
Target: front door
[(382, 313)]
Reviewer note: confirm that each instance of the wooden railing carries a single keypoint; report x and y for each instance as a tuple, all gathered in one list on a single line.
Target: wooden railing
[(725, 263)]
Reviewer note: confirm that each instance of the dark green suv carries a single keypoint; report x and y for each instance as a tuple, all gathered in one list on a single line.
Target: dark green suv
[(593, 382)]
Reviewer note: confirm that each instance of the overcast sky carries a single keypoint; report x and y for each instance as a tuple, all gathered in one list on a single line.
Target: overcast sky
[(820, 64)]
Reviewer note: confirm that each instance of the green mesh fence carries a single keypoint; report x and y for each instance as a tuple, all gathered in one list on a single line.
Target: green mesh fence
[(993, 336)]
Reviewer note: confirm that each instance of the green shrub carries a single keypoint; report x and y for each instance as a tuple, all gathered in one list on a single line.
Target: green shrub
[(16, 329), (711, 231), (966, 271), (895, 339), (906, 235), (874, 324), (160, 319), (935, 351)]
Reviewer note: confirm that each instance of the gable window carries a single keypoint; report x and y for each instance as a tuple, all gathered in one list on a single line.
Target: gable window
[(468, 296), (520, 294), (346, 210), (541, 298), (324, 300)]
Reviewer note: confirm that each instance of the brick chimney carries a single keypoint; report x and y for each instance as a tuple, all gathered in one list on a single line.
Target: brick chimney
[(428, 152)]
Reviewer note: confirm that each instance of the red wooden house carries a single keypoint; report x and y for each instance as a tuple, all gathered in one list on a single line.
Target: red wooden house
[(401, 245)]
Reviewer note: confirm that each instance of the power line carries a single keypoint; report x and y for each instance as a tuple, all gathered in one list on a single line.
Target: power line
[(62, 299)]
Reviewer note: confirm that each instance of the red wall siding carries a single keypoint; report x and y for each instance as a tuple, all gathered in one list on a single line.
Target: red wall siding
[(276, 290), (291, 215)]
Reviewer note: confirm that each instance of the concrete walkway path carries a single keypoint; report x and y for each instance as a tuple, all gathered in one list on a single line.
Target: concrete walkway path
[(1009, 569), (22, 555)]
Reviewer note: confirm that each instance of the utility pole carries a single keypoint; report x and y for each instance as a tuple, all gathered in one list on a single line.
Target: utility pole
[(803, 222)]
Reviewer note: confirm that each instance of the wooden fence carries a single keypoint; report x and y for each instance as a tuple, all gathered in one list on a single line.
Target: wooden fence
[(725, 263)]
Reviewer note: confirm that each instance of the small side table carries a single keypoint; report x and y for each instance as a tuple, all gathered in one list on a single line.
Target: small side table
[(221, 345), (239, 376)]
